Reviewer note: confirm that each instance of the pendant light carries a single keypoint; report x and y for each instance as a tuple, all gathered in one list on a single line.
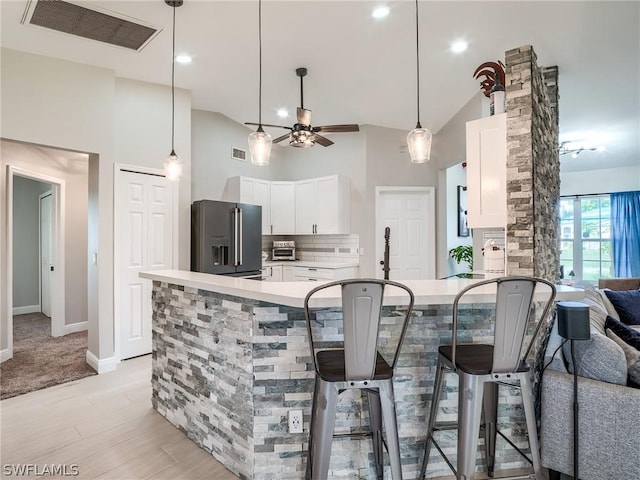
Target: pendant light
[(419, 139), (260, 141), (173, 164)]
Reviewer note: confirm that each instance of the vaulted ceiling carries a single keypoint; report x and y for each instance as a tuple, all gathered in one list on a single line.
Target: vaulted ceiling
[(362, 70)]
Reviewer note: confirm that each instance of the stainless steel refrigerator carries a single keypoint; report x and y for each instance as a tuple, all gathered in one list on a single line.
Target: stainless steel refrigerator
[(226, 238)]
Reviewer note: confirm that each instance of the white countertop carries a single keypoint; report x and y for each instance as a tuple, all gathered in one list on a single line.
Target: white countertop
[(309, 264), (427, 292)]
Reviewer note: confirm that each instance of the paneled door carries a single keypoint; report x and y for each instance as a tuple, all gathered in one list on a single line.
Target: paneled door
[(410, 214), (46, 213), (144, 207)]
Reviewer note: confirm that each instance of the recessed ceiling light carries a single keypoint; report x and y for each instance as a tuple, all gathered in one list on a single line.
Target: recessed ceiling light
[(283, 113), (183, 59), (459, 46), (380, 12)]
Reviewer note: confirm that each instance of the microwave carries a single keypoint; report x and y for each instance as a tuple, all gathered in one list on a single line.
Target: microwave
[(283, 250)]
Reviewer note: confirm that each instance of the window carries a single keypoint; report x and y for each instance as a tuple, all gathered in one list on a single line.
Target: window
[(585, 237)]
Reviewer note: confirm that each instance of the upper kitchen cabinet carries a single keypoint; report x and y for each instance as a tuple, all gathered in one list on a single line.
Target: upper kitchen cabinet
[(487, 172), (254, 191), (322, 206), (283, 209)]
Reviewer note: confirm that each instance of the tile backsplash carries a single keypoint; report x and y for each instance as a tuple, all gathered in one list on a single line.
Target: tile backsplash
[(320, 248)]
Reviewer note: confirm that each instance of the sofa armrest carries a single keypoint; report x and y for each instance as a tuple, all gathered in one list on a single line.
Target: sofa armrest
[(609, 422)]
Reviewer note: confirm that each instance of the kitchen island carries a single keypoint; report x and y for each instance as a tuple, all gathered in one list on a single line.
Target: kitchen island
[(230, 359)]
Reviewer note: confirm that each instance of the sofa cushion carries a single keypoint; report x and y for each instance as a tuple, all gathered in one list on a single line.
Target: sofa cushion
[(633, 359), (597, 309), (627, 304), (629, 335), (599, 358)]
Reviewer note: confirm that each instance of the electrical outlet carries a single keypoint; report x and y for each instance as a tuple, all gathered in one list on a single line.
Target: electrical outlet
[(295, 421)]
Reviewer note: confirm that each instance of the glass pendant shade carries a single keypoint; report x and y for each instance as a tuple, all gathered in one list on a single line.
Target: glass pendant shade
[(260, 147), (419, 143), (173, 166)]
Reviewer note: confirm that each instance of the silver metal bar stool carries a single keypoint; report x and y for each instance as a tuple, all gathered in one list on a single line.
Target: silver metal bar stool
[(355, 363), (481, 368)]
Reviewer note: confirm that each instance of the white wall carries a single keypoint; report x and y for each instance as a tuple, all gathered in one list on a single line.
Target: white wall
[(81, 108), (600, 181), (455, 175), (212, 137), (26, 236)]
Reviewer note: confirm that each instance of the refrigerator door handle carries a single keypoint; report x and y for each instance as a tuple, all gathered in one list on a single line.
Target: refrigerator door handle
[(235, 235), (240, 239)]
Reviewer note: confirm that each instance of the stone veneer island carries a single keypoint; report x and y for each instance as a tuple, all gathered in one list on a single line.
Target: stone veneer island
[(231, 358)]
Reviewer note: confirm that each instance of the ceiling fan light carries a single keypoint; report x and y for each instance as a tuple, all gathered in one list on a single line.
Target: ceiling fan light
[(419, 143), (173, 167), (260, 147)]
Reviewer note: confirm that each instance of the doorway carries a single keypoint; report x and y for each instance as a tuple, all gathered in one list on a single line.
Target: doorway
[(56, 270), (409, 212)]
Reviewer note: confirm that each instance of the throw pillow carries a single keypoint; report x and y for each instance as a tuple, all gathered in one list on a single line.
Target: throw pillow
[(611, 311), (633, 359), (627, 304), (599, 358), (630, 335)]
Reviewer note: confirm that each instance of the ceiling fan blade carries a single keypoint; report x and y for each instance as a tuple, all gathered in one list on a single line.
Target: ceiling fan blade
[(351, 127), (304, 116), (268, 125), (283, 137), (324, 141)]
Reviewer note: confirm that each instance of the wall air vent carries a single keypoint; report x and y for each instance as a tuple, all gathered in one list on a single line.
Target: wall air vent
[(93, 24), (238, 154)]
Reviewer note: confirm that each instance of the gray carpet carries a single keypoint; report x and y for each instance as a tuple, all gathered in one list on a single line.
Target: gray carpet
[(39, 360)]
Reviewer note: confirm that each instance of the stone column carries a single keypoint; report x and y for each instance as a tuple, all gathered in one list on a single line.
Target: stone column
[(533, 167)]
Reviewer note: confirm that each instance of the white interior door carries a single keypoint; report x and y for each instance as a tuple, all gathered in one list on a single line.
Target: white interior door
[(410, 214), (144, 206), (45, 252)]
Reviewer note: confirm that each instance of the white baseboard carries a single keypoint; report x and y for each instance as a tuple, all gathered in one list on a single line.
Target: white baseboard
[(26, 309), (101, 365), (76, 327), (6, 354)]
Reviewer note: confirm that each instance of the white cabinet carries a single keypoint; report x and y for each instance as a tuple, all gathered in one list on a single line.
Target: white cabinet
[(254, 191), (272, 273), (283, 208), (288, 273), (322, 205), (487, 172), (314, 274)]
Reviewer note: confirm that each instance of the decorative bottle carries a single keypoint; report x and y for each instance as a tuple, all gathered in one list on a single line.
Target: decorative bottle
[(497, 96)]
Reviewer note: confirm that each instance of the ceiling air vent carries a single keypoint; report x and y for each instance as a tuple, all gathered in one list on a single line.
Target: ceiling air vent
[(93, 24), (238, 154)]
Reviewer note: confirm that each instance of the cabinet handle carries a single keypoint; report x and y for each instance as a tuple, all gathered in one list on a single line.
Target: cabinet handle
[(312, 269), (272, 229)]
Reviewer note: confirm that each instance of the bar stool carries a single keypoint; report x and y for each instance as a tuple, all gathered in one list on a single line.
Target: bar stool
[(355, 363), (481, 368)]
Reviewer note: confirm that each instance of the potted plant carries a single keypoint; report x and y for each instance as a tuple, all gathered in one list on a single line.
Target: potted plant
[(463, 253)]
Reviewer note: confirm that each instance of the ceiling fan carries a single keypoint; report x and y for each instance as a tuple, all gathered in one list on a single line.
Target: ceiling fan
[(302, 134)]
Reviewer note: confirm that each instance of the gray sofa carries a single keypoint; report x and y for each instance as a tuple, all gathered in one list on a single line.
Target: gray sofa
[(609, 413)]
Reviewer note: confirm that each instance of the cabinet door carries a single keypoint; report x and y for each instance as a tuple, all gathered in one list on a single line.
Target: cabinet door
[(306, 206), (282, 208), (487, 172), (288, 274), (276, 273), (331, 209), (262, 197)]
